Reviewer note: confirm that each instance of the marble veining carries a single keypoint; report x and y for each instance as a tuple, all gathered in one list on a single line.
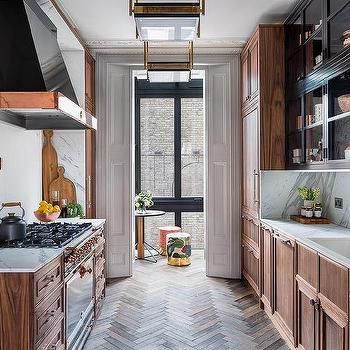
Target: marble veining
[(304, 233), (279, 195), (32, 259), (70, 148)]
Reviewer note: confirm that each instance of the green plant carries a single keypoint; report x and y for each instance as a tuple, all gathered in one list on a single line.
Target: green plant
[(75, 210), (308, 193), (144, 200)]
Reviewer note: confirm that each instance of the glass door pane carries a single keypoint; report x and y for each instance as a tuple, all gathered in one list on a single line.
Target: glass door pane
[(192, 147), (312, 18), (295, 124), (339, 139), (157, 146), (339, 95), (339, 31), (335, 5), (314, 126)]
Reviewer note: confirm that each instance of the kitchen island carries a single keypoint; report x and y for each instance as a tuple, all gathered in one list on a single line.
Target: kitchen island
[(50, 297)]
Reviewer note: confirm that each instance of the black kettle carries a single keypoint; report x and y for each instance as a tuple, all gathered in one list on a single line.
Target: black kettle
[(12, 227)]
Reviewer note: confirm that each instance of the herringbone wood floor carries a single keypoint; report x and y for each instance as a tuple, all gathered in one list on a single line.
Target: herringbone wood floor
[(164, 307)]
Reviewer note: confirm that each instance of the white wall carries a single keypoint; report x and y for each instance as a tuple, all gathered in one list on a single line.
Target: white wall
[(20, 175)]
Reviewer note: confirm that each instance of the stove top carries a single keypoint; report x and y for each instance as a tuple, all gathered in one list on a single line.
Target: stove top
[(55, 235)]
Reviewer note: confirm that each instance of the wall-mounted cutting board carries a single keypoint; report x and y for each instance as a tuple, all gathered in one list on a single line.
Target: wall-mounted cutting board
[(49, 163), (65, 186)]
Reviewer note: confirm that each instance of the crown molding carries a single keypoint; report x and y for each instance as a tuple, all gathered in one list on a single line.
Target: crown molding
[(201, 46)]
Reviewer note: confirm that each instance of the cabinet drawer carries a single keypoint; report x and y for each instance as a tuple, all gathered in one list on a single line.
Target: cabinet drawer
[(47, 313), (334, 283), (250, 262), (55, 339), (307, 264), (47, 280), (251, 231)]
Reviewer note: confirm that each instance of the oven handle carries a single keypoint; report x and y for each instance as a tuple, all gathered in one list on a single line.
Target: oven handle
[(83, 270)]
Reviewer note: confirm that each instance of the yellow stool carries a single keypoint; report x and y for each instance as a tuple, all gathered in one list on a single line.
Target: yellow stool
[(163, 231), (178, 249)]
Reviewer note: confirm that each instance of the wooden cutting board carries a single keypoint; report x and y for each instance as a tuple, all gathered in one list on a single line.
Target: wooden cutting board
[(49, 164), (309, 221), (65, 186)]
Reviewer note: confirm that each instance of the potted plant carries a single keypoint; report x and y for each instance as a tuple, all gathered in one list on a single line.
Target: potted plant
[(143, 201), (309, 195)]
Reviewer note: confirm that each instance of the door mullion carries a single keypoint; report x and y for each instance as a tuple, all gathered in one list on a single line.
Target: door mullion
[(177, 147)]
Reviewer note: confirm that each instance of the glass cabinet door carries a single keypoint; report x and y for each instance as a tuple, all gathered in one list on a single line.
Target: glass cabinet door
[(313, 35), (295, 123), (339, 117), (338, 26), (294, 45), (314, 126)]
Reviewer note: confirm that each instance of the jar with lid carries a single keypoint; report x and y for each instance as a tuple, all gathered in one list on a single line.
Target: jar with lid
[(318, 210), (309, 212), (303, 211)]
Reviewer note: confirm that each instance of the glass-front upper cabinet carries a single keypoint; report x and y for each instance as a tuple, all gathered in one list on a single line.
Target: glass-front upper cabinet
[(314, 125), (338, 26), (294, 46), (295, 124), (339, 117), (313, 35)]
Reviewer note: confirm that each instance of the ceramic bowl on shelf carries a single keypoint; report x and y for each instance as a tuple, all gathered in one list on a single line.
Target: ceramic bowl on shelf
[(344, 103), (47, 217), (346, 38)]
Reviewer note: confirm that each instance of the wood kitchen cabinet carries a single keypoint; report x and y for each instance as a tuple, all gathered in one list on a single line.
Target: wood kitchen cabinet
[(306, 298), (284, 284), (267, 267), (262, 84), (250, 198), (333, 305), (251, 266), (90, 139)]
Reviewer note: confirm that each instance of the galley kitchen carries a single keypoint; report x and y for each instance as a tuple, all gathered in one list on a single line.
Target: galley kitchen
[(174, 174)]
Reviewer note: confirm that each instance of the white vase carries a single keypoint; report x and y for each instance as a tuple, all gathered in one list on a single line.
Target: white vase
[(308, 203)]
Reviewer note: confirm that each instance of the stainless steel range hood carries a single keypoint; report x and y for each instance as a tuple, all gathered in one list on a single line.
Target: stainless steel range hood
[(35, 88)]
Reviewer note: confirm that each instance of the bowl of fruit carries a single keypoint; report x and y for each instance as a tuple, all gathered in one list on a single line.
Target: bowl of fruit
[(47, 212)]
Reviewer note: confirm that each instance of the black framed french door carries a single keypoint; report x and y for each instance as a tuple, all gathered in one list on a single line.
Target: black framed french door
[(169, 145)]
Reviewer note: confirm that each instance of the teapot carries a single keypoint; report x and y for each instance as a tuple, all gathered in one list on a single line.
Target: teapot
[(12, 227)]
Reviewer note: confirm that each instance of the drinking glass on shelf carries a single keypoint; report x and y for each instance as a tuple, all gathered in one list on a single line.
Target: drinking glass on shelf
[(55, 198)]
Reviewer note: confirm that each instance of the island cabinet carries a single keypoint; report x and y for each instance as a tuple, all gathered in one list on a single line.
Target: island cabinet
[(32, 309), (284, 284)]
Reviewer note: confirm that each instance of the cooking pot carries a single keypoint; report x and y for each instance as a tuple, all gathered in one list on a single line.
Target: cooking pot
[(12, 227)]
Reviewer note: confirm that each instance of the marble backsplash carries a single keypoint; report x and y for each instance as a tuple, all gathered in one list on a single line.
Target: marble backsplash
[(70, 148), (279, 195)]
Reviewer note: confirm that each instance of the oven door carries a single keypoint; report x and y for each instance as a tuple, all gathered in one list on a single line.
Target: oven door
[(79, 302)]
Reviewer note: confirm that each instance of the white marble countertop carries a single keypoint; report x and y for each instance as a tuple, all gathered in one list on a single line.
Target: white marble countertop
[(32, 259), (304, 233)]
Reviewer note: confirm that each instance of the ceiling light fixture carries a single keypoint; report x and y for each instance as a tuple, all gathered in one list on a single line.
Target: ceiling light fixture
[(160, 72), (170, 21)]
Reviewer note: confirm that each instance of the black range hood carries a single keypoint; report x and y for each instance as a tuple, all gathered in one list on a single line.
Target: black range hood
[(35, 89)]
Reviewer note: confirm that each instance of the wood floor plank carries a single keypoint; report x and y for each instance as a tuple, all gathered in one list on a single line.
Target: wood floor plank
[(164, 307)]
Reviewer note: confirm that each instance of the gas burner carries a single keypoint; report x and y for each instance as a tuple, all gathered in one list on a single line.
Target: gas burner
[(55, 235)]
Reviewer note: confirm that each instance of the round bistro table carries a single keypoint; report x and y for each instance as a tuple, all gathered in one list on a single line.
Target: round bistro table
[(141, 243)]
